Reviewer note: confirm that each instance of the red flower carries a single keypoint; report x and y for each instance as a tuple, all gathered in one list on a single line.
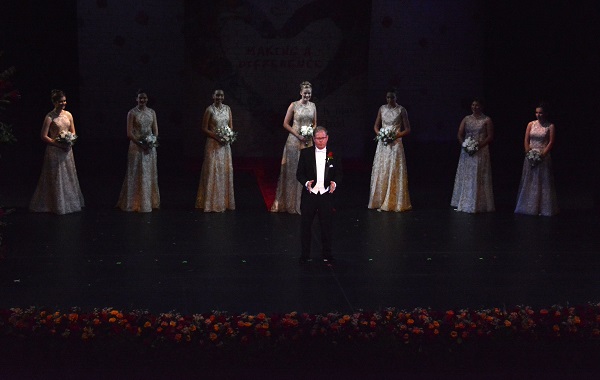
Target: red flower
[(329, 156)]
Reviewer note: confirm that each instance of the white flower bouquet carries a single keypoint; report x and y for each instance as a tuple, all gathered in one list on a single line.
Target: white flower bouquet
[(306, 131), (66, 137), (470, 145), (226, 135), (149, 141), (534, 157), (386, 135)]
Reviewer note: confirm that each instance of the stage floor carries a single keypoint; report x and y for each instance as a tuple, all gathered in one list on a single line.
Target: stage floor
[(179, 258)]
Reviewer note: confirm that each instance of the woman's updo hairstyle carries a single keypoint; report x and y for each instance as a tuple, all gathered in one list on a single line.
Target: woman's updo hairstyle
[(304, 85)]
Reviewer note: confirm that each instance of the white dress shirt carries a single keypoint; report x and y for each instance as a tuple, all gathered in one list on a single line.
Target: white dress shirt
[(320, 157)]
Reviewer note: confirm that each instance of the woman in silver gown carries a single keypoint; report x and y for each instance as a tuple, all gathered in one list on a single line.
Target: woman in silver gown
[(58, 188), (389, 180), (140, 186), (299, 113), (215, 192), (473, 182)]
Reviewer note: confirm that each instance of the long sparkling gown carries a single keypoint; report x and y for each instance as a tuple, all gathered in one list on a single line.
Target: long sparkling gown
[(537, 194), (58, 188), (389, 180), (289, 190), (140, 186), (215, 192), (473, 182)]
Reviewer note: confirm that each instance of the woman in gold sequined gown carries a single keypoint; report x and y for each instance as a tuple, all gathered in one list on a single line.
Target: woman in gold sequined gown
[(389, 180), (537, 194), (473, 191), (140, 186), (300, 113), (58, 188), (215, 192)]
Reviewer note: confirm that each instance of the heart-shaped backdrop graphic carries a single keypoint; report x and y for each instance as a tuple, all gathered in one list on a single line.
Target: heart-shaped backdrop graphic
[(268, 64)]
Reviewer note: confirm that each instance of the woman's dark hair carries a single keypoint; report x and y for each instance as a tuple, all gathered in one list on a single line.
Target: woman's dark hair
[(141, 91), (56, 95), (478, 100), (543, 105)]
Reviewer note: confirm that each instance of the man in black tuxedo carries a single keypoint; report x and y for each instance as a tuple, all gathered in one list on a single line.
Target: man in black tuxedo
[(320, 172)]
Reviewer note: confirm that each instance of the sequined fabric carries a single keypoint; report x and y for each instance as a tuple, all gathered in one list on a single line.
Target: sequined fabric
[(473, 182), (289, 190), (139, 191), (389, 180), (215, 192), (58, 188), (537, 194)]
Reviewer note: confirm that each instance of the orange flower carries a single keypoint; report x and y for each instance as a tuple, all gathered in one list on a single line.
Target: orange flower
[(178, 337), (436, 324), (576, 320), (172, 323), (193, 328), (73, 317), (555, 328), (346, 317), (436, 332), (453, 334), (410, 321), (120, 315), (112, 320), (96, 321), (216, 327), (543, 312), (213, 336), (507, 323), (147, 324), (114, 312), (159, 330), (261, 316)]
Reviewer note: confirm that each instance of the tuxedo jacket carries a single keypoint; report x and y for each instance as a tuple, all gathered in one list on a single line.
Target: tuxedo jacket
[(307, 167)]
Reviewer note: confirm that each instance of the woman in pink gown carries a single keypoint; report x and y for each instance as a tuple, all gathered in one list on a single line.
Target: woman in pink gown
[(537, 194)]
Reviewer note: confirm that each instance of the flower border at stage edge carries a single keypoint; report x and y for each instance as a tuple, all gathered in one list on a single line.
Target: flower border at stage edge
[(419, 327)]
